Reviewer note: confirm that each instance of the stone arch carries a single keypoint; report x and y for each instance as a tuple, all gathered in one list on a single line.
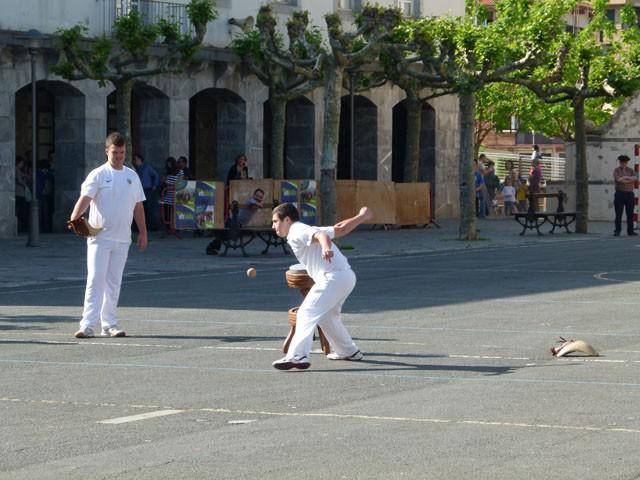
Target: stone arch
[(61, 130), (217, 125), (365, 155), (150, 123), (427, 167), (299, 140)]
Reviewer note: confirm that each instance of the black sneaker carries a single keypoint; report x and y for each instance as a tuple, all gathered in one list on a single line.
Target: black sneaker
[(289, 363), (616, 234), (632, 234)]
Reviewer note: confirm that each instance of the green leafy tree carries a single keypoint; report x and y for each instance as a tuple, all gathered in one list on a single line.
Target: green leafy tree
[(461, 56), (598, 63), (348, 51), (288, 71), (125, 57)]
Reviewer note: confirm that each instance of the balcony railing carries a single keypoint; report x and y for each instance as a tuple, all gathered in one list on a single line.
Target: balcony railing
[(150, 10)]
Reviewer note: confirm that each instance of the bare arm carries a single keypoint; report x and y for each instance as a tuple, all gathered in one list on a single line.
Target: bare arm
[(138, 216), (81, 206), (347, 226), (325, 242)]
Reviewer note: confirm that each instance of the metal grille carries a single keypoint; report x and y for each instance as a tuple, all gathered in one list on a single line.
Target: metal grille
[(553, 168), (150, 10)]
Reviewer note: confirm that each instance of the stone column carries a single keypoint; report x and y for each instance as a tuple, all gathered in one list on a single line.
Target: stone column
[(178, 130), (8, 223)]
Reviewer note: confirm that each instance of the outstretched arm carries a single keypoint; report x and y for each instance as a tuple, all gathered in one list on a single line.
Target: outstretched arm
[(347, 226)]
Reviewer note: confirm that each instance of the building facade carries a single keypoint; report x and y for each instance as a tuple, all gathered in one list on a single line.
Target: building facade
[(211, 114)]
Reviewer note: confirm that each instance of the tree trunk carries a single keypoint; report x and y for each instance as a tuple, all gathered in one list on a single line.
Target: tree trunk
[(329, 159), (278, 125), (414, 127), (123, 114), (467, 104), (582, 173)]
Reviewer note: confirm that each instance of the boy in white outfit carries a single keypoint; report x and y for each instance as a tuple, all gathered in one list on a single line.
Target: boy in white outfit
[(115, 195), (334, 281)]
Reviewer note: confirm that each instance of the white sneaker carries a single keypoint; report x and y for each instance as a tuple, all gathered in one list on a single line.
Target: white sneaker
[(84, 333), (289, 363), (113, 332), (353, 358)]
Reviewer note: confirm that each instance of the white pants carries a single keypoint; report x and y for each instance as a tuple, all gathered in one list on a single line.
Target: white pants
[(322, 307), (105, 264)]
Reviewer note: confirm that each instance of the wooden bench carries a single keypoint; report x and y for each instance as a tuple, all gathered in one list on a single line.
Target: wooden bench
[(533, 219), (235, 236)]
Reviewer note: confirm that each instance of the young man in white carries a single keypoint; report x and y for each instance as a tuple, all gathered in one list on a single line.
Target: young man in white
[(334, 281), (115, 195)]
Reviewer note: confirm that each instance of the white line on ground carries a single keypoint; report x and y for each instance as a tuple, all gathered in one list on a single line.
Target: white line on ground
[(361, 373), (141, 416), (338, 416), (435, 355)]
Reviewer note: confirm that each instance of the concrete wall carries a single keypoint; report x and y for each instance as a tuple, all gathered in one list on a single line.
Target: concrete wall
[(616, 138)]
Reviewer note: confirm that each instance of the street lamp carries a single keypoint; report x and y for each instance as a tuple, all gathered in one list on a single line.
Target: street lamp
[(33, 39)]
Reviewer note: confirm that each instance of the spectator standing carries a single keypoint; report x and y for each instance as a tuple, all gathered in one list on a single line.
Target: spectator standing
[(183, 164), (23, 194), (491, 181), (239, 170), (535, 178), (522, 193), (172, 175), (150, 180), (479, 187), (509, 195), (624, 199), (44, 193)]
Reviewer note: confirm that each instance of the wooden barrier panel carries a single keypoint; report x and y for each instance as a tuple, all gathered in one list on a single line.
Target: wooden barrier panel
[(199, 205), (242, 190), (303, 194), (346, 201), (413, 203), (380, 197)]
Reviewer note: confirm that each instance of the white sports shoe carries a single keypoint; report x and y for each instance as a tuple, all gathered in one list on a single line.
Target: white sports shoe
[(289, 363), (84, 333), (353, 358), (113, 332)]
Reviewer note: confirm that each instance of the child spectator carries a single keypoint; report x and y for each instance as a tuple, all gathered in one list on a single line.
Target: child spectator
[(509, 195), (521, 195)]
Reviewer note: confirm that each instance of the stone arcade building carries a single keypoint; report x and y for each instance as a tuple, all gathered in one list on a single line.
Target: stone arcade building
[(210, 114)]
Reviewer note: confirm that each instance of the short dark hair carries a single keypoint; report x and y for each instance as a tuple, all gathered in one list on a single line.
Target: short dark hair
[(623, 158), (137, 155), (115, 138), (536, 147), (258, 190), (285, 210)]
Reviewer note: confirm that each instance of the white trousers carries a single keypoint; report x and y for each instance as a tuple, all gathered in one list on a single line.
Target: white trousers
[(105, 264), (322, 307)]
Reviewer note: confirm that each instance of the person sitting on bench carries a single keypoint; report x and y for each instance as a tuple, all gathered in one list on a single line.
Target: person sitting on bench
[(248, 210), (237, 219)]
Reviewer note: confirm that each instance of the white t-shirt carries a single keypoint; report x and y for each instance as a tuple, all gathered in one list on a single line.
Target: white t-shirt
[(509, 193), (309, 253), (114, 194)]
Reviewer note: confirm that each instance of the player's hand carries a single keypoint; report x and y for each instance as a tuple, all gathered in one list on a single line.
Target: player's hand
[(142, 242), (327, 255), (366, 213)]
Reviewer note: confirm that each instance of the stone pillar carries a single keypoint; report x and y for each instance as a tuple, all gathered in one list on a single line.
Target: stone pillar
[(155, 131), (300, 146), (71, 151), (385, 133), (178, 131), (253, 140), (8, 223)]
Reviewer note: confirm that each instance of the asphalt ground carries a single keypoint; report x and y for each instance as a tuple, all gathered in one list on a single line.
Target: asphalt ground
[(457, 380)]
